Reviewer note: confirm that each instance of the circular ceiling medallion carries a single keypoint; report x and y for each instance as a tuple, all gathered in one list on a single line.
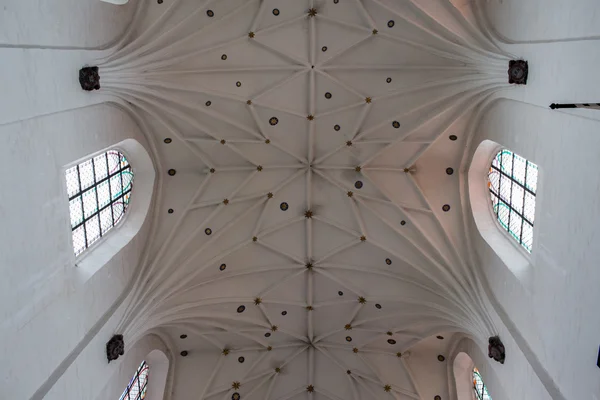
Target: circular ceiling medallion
[(324, 48), (184, 353), (391, 23), (337, 127), (284, 206), (438, 397), (208, 231), (284, 313), (273, 121), (378, 306), (388, 261), (241, 309), (224, 57), (340, 293), (441, 358), (208, 103), (391, 341), (172, 172), (389, 80), (348, 339), (358, 184), (236, 396), (449, 171), (241, 360), (276, 11), (238, 84), (440, 337), (453, 137), (182, 336), (446, 207), (210, 13), (328, 95), (222, 267), (268, 334), (168, 140), (171, 211), (403, 222), (396, 124)]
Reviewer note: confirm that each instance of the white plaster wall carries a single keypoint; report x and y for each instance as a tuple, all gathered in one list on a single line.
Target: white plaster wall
[(42, 81), (555, 310), (46, 305), (64, 23), (543, 20)]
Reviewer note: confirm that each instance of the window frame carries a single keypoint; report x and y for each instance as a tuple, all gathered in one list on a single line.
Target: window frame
[(90, 249), (514, 242)]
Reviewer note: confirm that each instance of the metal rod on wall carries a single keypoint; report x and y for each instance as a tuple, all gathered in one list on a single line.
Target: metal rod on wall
[(594, 106)]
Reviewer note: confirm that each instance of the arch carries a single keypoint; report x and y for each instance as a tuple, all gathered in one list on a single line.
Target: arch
[(159, 365), (485, 219), (110, 245), (463, 374)]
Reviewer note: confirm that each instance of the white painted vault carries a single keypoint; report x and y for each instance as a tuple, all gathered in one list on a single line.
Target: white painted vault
[(310, 210)]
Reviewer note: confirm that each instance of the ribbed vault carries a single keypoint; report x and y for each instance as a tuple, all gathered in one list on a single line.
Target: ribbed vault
[(311, 153)]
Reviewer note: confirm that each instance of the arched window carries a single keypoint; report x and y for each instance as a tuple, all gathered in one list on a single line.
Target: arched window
[(513, 185), (99, 190), (479, 387), (136, 390)]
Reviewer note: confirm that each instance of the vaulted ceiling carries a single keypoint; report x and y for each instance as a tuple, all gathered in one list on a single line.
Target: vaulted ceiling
[(310, 229)]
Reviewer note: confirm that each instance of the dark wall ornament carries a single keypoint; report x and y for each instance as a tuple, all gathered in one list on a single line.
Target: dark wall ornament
[(496, 349), (89, 78), (115, 347), (518, 71)]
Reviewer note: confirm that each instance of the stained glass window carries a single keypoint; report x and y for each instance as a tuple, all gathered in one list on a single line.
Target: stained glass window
[(136, 390), (479, 387), (99, 190), (513, 186)]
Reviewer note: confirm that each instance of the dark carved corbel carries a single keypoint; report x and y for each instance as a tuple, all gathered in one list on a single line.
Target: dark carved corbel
[(89, 78), (496, 349), (115, 347), (518, 70)]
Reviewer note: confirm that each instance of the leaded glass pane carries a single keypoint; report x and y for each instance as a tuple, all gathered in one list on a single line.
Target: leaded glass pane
[(79, 240), (72, 181), (86, 174), (100, 167), (76, 211), (136, 390), (479, 387), (513, 185), (99, 191)]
